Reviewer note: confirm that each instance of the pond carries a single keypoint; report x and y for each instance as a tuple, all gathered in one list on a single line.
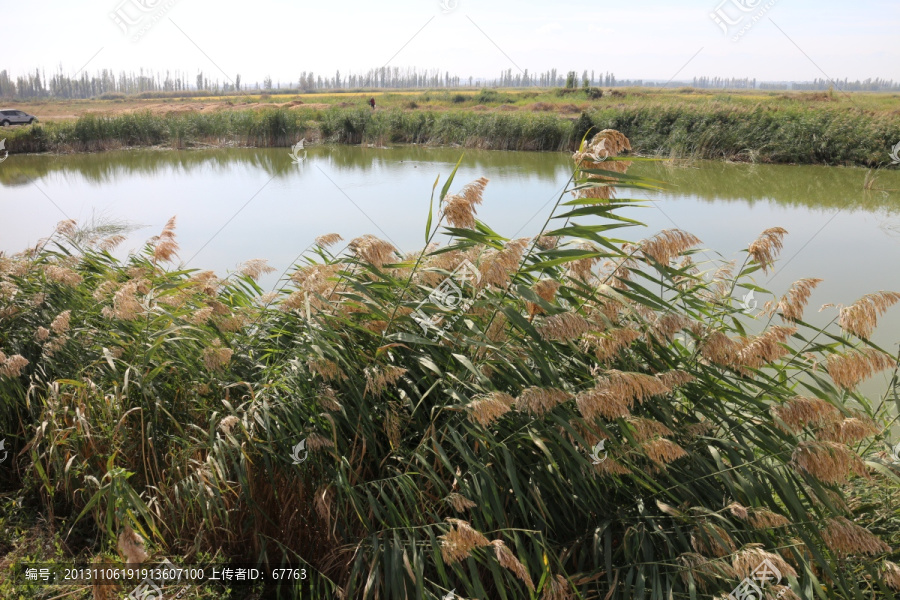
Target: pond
[(237, 204)]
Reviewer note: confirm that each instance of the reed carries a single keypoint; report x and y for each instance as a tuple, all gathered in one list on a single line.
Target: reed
[(140, 398), (791, 132)]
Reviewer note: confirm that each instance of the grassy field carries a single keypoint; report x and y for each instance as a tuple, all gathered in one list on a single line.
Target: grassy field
[(804, 128), (589, 419)]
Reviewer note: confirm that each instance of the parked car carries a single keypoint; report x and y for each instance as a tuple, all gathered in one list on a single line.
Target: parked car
[(11, 116)]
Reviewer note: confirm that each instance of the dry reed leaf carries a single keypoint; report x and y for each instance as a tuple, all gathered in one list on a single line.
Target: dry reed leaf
[(324, 500), (861, 317)]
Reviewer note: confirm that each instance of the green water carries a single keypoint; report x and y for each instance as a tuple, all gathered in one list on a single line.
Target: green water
[(237, 204)]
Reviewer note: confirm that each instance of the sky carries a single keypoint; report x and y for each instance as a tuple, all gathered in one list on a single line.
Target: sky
[(796, 40)]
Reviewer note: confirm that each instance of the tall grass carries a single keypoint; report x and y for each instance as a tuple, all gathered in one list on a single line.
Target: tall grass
[(457, 457), (717, 130)]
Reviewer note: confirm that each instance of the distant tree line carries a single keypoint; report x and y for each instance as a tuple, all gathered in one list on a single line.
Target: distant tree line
[(37, 84)]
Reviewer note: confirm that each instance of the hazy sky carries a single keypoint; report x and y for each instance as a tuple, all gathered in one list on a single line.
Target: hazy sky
[(650, 39)]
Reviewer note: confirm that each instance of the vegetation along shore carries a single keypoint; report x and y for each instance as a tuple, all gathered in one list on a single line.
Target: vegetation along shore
[(802, 128)]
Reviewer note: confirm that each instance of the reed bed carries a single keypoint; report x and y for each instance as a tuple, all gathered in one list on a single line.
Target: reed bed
[(167, 405), (716, 130)]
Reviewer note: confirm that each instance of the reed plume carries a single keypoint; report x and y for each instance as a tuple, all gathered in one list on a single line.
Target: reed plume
[(861, 317), (509, 561), (329, 239), (844, 537), (668, 244), (766, 247), (165, 247), (255, 268), (540, 401), (791, 306), (487, 408), (458, 543), (847, 370), (829, 462)]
